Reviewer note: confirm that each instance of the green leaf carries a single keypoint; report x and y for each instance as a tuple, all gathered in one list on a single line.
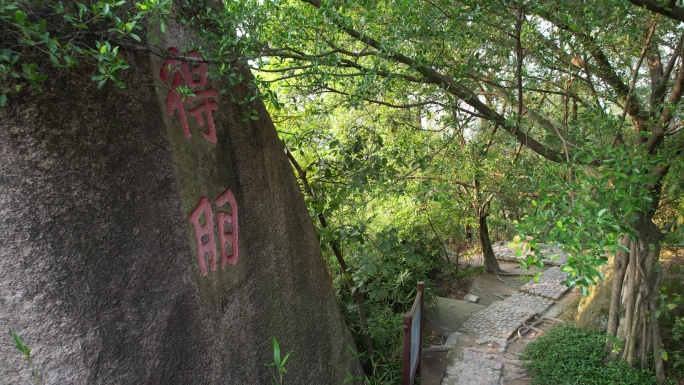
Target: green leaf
[(672, 189), (282, 364), (3, 100), (584, 290), (276, 351), (19, 16), (370, 269), (20, 344)]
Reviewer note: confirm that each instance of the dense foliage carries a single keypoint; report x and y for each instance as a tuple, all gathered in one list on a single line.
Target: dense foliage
[(39, 37)]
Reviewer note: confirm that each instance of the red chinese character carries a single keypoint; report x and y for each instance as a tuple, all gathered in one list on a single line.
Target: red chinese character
[(228, 234), (202, 218), (204, 234), (203, 103)]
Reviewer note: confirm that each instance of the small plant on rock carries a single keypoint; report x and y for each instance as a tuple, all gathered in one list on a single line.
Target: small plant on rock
[(27, 353), (278, 362)]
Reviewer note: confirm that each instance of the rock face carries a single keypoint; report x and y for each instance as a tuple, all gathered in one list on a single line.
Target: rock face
[(151, 239)]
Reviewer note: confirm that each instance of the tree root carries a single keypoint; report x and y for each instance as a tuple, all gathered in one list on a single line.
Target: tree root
[(525, 328), (499, 278)]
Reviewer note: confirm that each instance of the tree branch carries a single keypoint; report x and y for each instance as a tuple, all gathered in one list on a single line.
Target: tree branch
[(672, 10), (658, 132), (447, 84), (659, 93), (382, 103), (606, 73), (636, 70)]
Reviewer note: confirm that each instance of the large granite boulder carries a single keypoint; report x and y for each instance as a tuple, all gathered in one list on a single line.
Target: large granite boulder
[(147, 238)]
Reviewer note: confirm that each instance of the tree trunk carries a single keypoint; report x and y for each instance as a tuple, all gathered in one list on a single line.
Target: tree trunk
[(491, 264), (638, 326), (619, 269), (439, 240)]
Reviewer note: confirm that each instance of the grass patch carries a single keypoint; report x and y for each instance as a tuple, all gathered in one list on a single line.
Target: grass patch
[(570, 355)]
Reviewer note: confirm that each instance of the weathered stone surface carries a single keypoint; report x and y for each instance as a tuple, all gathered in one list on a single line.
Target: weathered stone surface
[(99, 267)]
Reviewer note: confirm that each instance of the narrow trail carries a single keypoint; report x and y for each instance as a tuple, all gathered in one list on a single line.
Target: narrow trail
[(484, 340)]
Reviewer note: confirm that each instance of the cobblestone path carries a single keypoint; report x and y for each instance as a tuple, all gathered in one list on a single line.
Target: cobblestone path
[(554, 255), (497, 323), (502, 318), (473, 368), (549, 285)]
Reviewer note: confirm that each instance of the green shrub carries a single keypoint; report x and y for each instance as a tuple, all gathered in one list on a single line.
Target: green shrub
[(671, 320), (569, 355), (385, 270)]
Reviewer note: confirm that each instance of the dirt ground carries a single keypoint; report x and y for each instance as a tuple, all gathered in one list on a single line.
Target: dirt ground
[(491, 288)]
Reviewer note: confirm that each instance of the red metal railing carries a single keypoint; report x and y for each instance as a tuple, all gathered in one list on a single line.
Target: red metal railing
[(413, 332)]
